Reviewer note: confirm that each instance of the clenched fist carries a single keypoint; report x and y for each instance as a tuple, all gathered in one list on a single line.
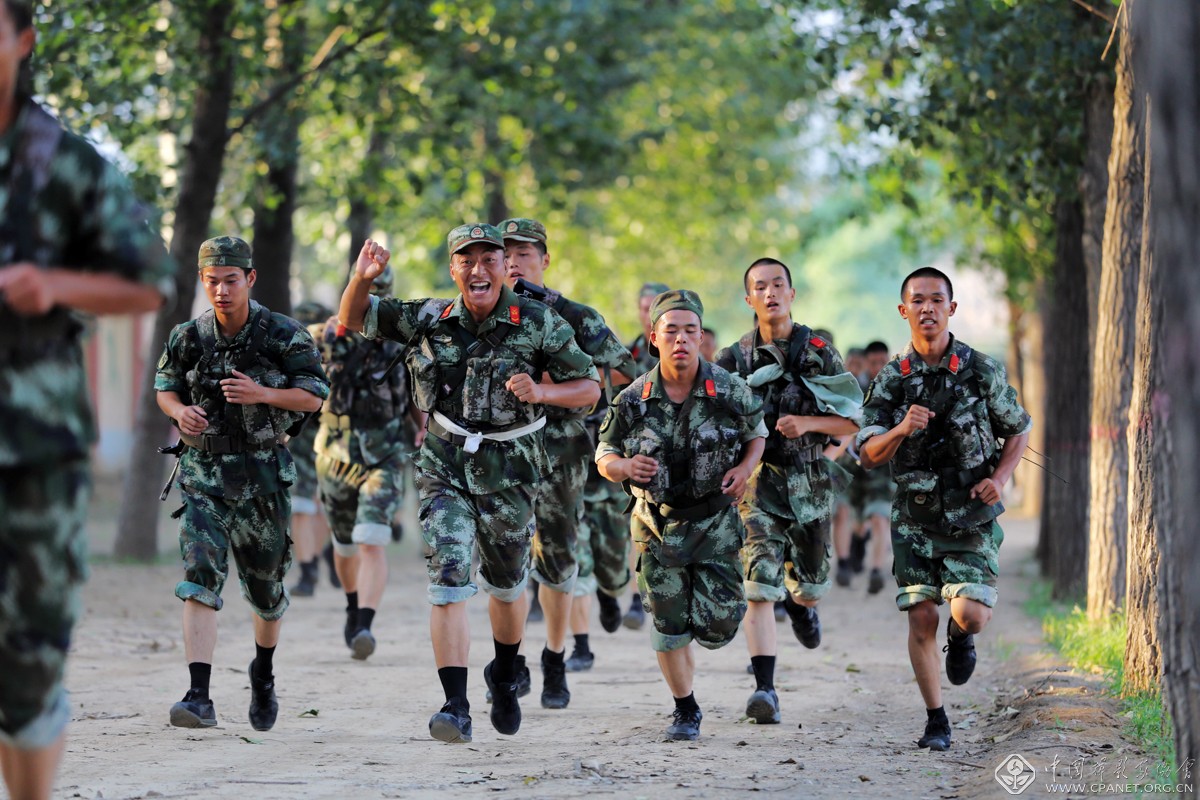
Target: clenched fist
[(525, 388)]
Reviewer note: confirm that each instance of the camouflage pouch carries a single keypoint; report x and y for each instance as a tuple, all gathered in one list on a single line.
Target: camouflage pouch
[(924, 507), (422, 366), (264, 424)]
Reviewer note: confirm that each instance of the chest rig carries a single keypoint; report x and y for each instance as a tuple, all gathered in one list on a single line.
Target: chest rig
[(363, 384)]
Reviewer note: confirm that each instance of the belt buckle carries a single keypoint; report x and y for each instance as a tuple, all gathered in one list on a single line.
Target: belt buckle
[(217, 444), (920, 499)]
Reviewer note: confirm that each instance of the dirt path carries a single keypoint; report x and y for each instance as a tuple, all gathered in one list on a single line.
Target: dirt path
[(851, 709)]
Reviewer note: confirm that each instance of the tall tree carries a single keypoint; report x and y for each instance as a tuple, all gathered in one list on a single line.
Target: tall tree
[(1170, 66), (1113, 353)]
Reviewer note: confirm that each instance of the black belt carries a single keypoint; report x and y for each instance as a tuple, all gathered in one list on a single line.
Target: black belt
[(220, 444), (780, 458), (963, 478), (705, 507)]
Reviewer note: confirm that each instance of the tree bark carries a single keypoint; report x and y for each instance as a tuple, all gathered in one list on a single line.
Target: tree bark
[(1065, 419), (1024, 327), (1112, 356), (137, 526), (1171, 67), (1093, 189), (1143, 664)]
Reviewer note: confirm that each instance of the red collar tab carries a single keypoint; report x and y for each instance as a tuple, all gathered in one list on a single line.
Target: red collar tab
[(905, 367), (710, 388), (646, 390), (816, 341), (954, 363), (514, 315), (340, 331), (637, 351), (446, 311)]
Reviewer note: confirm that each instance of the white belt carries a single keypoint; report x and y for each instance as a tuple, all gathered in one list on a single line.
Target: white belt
[(474, 438)]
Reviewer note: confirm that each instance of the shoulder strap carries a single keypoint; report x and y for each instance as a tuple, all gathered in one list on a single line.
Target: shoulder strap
[(257, 336), (798, 346), (743, 354)]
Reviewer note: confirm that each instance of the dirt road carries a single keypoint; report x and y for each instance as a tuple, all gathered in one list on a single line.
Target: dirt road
[(851, 711)]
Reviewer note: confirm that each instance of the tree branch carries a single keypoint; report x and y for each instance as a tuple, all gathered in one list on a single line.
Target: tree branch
[(1095, 11), (286, 87)]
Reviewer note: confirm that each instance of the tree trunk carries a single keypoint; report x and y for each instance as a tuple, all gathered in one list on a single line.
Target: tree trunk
[(365, 192), (493, 175), (1093, 189), (1170, 63), (1112, 357), (1143, 669), (1065, 419), (1025, 327), (275, 201), (137, 526)]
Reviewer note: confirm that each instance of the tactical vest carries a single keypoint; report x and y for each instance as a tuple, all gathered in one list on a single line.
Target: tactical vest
[(782, 397), (436, 379), (363, 385), (233, 427)]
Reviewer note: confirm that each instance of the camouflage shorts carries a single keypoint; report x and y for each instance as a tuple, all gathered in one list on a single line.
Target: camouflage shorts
[(781, 555), (256, 529), (702, 601), (603, 547), (941, 565), (454, 522), (304, 490), (43, 562), (559, 505), (360, 502)]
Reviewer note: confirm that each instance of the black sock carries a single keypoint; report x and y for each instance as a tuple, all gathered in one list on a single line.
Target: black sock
[(308, 569), (351, 601), (764, 671), (262, 661), (687, 703), (504, 669), (201, 673), (607, 600), (581, 644), (551, 657), (843, 563), (454, 682), (937, 714), (365, 617), (636, 600), (954, 632)]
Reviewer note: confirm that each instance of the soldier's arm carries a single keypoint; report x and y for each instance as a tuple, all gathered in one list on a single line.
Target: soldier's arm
[(372, 260), (243, 390), (576, 382), (191, 419), (988, 490), (877, 444), (32, 291), (1009, 420)]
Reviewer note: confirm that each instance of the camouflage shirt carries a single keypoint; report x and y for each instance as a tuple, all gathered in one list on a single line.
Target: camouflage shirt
[(695, 442), (370, 418), (935, 468), (81, 216), (639, 349), (539, 341), (287, 359)]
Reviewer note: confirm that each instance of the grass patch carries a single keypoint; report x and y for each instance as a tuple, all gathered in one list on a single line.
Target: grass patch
[(1099, 647)]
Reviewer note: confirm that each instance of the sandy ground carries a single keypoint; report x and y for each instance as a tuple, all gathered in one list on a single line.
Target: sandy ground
[(851, 711)]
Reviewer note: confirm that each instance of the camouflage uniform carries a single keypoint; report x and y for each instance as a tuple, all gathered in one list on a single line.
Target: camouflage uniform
[(360, 445), (603, 551), (302, 446), (238, 499), (790, 500), (472, 490), (872, 493), (851, 490), (65, 206), (945, 543), (686, 532)]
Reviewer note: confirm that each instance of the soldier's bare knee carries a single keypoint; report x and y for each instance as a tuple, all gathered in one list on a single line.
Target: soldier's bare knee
[(923, 620), (971, 615)]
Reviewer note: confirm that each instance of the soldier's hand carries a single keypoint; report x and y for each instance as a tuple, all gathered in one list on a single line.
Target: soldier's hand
[(419, 438), (192, 420), (372, 260), (917, 419), (242, 389), (26, 289), (792, 426), (987, 490), (734, 482), (642, 468), (525, 388)]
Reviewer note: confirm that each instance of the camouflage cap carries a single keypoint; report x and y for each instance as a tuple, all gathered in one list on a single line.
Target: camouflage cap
[(471, 233), (676, 300), (523, 230), (653, 289), (225, 251), (310, 312)]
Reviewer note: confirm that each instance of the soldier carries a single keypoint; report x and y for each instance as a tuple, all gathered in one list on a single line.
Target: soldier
[(708, 347), (72, 239), (639, 348), (877, 488), (936, 412), (476, 363), (309, 528), (856, 361), (559, 506), (236, 380), (360, 462), (684, 439), (807, 397)]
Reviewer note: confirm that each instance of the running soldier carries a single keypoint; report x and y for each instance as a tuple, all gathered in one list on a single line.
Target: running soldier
[(360, 461), (236, 381), (476, 364), (684, 439), (874, 498), (569, 445), (807, 397), (937, 413), (72, 239)]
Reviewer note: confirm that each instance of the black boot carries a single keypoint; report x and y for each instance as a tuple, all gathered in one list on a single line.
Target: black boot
[(453, 723), (264, 707), (327, 553), (610, 612), (555, 693), (937, 731), (805, 622), (960, 654)]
